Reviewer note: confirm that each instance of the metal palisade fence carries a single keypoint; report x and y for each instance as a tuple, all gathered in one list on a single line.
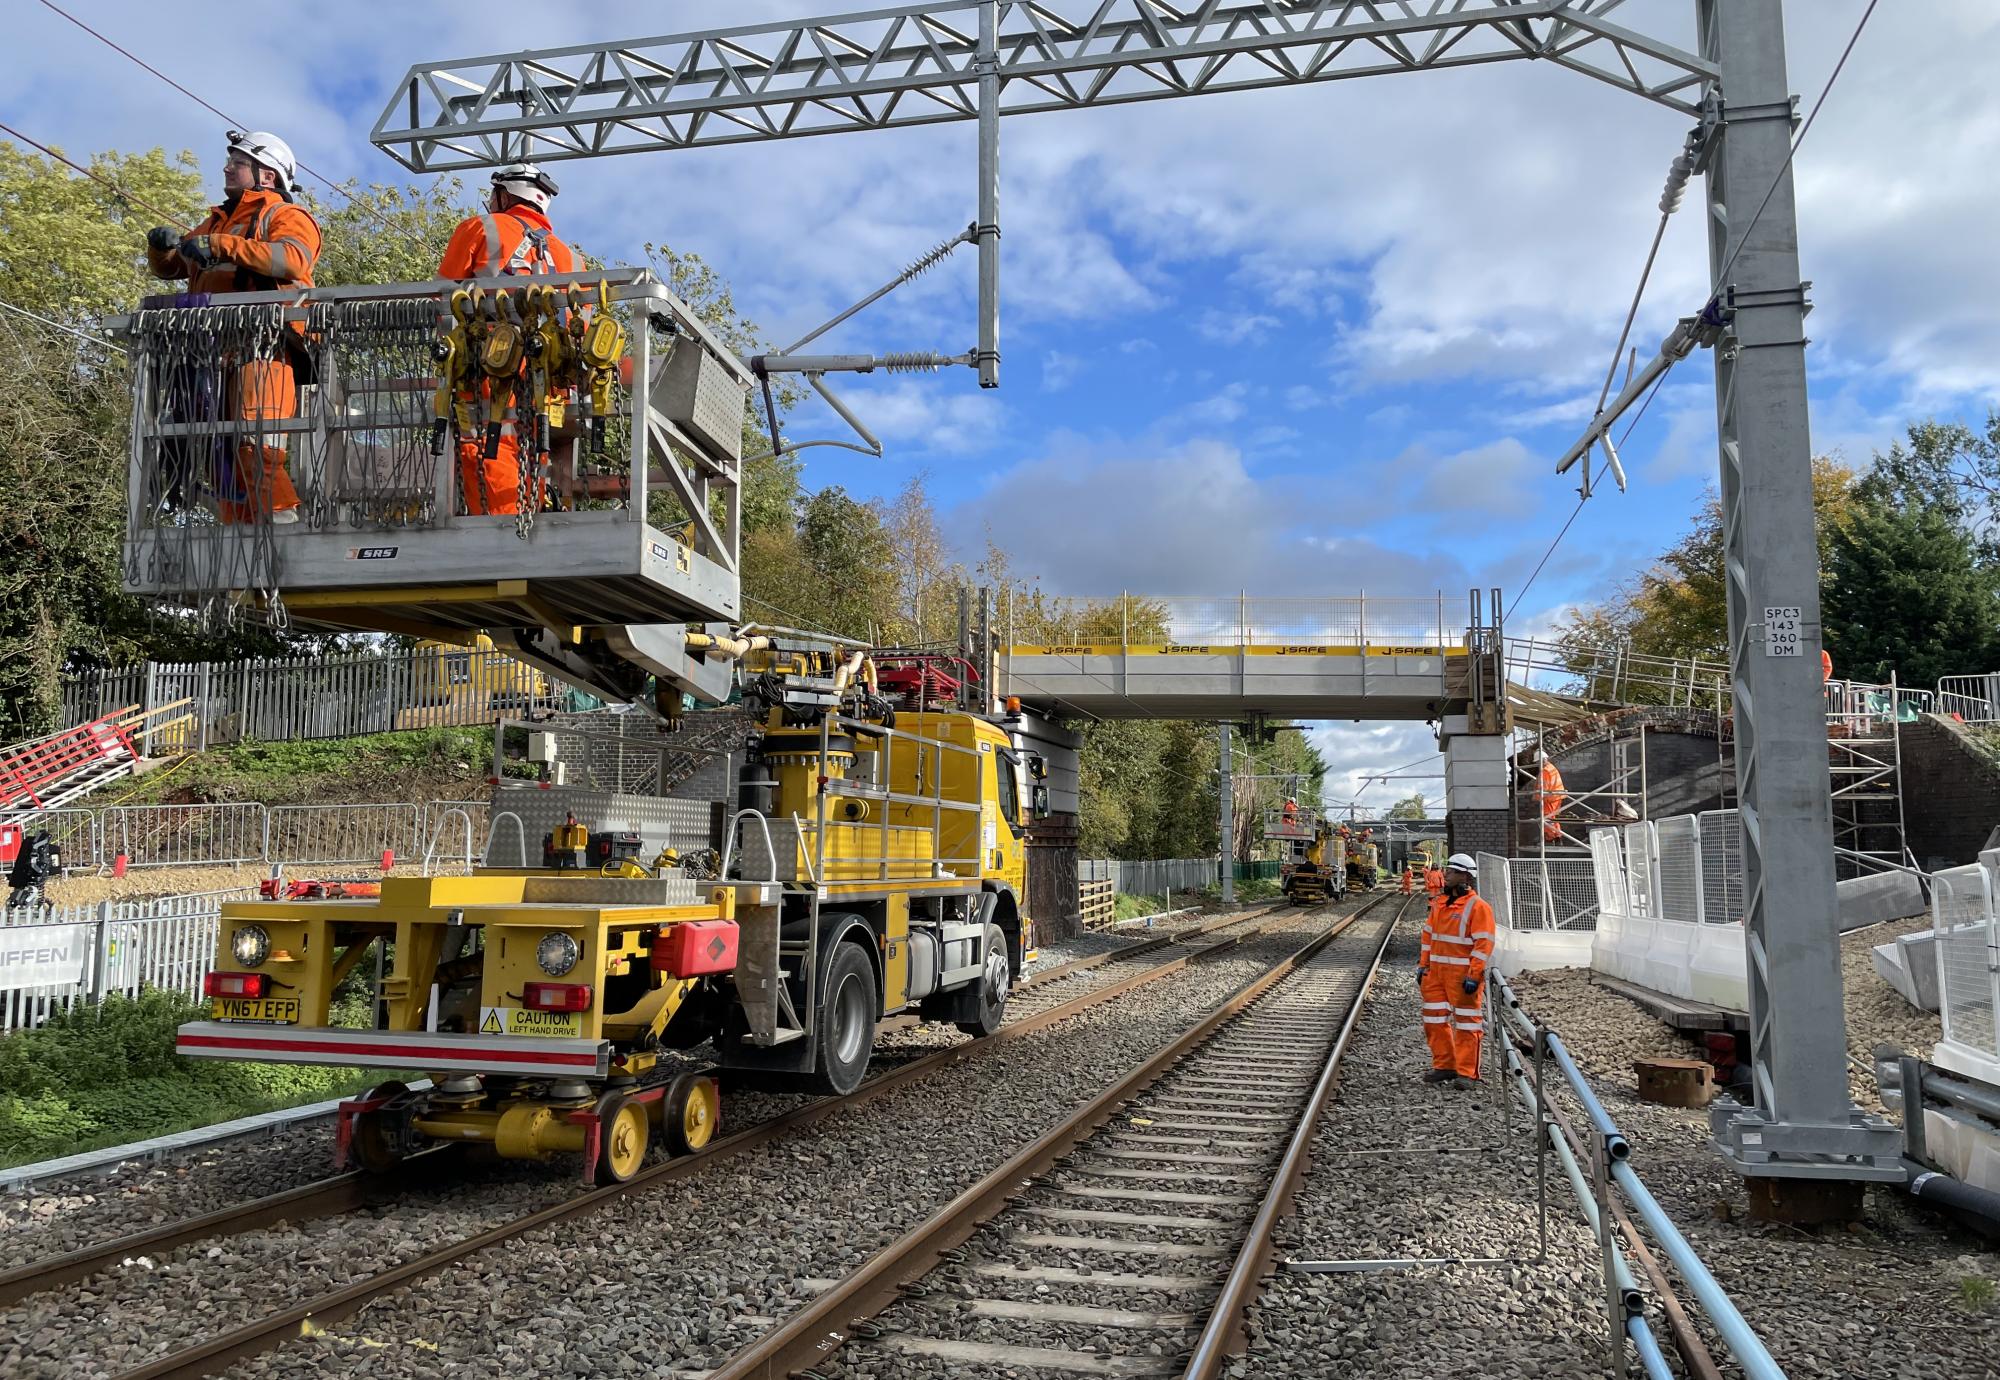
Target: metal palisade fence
[(1151, 876), (287, 699), (56, 957)]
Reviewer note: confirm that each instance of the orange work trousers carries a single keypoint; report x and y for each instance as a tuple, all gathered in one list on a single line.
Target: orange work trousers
[(490, 485), (264, 391), (1454, 1020)]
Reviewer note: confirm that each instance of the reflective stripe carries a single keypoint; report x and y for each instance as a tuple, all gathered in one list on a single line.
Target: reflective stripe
[(1475, 1026), (1447, 958), (1467, 1010), (492, 229), (1437, 1006), (281, 261), (1437, 1020)]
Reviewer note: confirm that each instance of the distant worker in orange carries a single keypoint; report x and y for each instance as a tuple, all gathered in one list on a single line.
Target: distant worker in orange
[(1825, 666), (1433, 882), (257, 240), (513, 238), (1455, 946), (1552, 800)]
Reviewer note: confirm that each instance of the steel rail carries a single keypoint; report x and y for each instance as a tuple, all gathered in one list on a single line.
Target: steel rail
[(324, 1198), (1223, 1329), (213, 1355), (823, 1325), (344, 1192)]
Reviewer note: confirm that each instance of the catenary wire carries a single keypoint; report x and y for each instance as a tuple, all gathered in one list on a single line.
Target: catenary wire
[(93, 175), (54, 324), (230, 120)]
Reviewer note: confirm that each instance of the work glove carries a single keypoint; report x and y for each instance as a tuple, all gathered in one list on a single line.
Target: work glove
[(163, 239), (195, 250), (1421, 972), (1471, 986)]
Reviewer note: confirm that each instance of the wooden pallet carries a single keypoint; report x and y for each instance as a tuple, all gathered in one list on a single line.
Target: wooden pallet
[(1097, 903)]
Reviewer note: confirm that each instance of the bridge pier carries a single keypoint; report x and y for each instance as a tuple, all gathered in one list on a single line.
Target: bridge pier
[(1476, 815)]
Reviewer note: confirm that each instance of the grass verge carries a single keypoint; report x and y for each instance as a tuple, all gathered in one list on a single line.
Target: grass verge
[(108, 1075)]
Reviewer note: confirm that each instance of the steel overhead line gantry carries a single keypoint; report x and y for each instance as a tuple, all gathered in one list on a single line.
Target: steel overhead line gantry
[(976, 60)]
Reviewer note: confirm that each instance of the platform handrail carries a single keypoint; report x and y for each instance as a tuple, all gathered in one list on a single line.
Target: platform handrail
[(493, 830), (729, 844), (437, 833)]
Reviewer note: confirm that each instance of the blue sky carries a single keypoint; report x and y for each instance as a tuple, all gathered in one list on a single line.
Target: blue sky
[(1304, 341)]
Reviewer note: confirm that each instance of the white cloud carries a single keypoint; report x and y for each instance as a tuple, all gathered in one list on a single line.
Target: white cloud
[(1089, 517), (1303, 397), (1059, 370), (1236, 327), (1498, 479)]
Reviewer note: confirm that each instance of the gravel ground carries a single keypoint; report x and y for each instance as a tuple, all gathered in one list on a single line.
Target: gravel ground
[(1881, 1298), (1184, 1263), (713, 1260), (69, 1214), (86, 1210), (1517, 1320)]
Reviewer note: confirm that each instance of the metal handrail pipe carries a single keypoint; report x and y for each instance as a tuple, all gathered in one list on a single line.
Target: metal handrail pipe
[(1736, 1333), (1648, 1347), (1579, 1182), (1615, 1144)]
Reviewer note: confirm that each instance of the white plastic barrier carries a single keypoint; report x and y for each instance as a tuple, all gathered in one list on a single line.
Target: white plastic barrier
[(1656, 884)]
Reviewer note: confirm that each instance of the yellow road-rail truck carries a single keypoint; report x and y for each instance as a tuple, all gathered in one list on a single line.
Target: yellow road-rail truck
[(872, 865)]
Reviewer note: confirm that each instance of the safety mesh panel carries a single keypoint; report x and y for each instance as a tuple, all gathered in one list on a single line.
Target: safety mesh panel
[(1722, 886), (1607, 858), (1639, 868), (1496, 887), (1679, 842), (1962, 913), (1554, 894)]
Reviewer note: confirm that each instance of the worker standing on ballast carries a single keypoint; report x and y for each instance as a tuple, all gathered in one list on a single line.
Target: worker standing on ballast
[(1452, 954), (513, 238), (259, 239)]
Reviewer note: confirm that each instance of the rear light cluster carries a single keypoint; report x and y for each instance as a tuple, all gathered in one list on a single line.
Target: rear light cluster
[(246, 985), (556, 996)]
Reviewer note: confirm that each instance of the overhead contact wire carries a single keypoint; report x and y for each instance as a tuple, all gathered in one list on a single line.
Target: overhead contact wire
[(90, 173)]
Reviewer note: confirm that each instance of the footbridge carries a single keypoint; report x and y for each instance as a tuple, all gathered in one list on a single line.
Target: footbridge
[(1246, 656)]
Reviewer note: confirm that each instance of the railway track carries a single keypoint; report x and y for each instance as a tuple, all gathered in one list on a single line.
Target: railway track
[(347, 1193), (1064, 990), (1160, 1197)]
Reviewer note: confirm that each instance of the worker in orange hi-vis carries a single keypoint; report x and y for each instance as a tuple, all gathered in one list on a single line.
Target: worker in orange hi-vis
[(513, 238), (1452, 953), (1433, 881), (1552, 800), (257, 240), (1825, 666)]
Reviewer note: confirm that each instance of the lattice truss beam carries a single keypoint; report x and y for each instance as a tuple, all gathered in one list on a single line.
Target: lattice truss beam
[(919, 64)]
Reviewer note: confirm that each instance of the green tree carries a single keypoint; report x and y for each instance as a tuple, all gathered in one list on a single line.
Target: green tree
[(1909, 591), (1410, 807), (1677, 608), (385, 234), (1949, 461)]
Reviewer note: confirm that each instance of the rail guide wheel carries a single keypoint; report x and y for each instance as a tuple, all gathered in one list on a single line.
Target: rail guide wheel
[(623, 1132), (690, 1112), (378, 1141)]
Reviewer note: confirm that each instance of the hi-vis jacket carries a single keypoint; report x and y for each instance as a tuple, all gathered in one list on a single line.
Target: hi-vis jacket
[(1457, 940), (517, 240), (259, 241)]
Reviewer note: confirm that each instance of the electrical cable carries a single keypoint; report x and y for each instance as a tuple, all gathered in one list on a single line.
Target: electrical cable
[(1574, 512), (1785, 167), (54, 324), (94, 176), (303, 166)]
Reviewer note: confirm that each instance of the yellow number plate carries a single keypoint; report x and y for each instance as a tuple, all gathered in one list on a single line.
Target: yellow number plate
[(262, 1011)]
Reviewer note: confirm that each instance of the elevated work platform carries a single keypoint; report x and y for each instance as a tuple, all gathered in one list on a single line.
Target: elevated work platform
[(1234, 658), (307, 454)]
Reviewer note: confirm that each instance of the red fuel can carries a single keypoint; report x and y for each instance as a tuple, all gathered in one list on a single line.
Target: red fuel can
[(696, 947)]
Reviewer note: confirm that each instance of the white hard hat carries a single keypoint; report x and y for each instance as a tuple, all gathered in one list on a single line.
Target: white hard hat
[(526, 181), (1463, 862), (269, 151)]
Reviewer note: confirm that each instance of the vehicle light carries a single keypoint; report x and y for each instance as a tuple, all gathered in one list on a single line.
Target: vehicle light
[(251, 944), (556, 996), (250, 986), (557, 953)]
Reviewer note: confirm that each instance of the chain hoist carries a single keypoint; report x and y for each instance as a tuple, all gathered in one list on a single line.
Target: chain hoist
[(603, 345)]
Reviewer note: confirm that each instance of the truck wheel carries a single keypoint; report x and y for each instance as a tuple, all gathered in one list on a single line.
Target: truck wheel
[(990, 997), (848, 1005)]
